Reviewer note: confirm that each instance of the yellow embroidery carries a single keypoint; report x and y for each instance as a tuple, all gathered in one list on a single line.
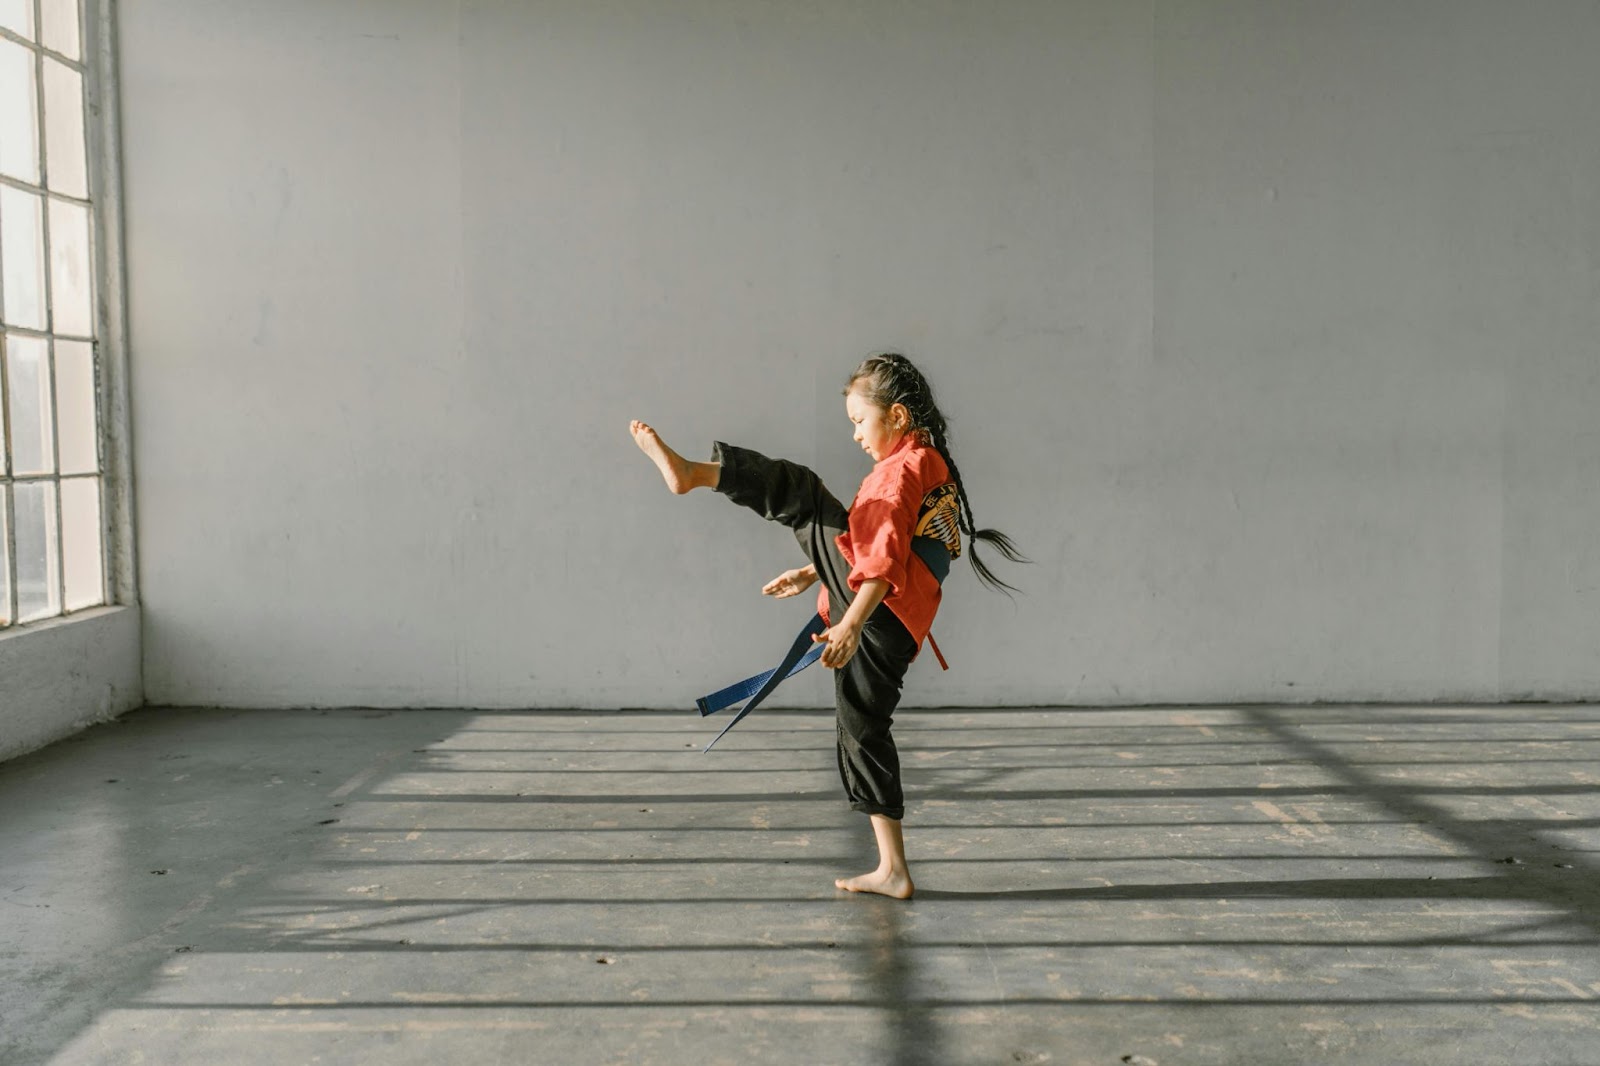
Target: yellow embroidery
[(939, 518)]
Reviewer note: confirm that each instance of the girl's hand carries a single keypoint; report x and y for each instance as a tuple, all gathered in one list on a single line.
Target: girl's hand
[(842, 641), (790, 583)]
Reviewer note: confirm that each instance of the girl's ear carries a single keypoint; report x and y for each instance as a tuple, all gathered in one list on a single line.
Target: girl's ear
[(900, 416)]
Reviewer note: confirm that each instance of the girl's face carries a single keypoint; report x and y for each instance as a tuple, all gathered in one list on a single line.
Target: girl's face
[(877, 430)]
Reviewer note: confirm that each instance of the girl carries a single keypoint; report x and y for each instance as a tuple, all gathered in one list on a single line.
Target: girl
[(863, 557)]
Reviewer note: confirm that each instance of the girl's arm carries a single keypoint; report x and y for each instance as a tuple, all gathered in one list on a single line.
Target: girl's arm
[(867, 599), (791, 582), (881, 526), (845, 636)]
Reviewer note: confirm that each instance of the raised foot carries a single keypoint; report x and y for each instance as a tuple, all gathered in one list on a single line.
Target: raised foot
[(675, 469), (893, 883)]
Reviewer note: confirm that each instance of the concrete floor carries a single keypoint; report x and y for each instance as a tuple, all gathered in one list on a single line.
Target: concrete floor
[(1245, 885)]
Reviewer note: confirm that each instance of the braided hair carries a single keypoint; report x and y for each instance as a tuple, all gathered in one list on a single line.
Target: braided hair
[(887, 379)]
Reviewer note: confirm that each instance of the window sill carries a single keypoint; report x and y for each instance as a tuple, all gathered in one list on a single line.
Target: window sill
[(47, 625)]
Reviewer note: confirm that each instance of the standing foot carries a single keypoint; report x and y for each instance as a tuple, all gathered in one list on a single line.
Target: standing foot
[(680, 474), (893, 883)]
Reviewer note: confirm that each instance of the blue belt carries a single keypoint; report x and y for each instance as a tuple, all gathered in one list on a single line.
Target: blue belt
[(803, 652)]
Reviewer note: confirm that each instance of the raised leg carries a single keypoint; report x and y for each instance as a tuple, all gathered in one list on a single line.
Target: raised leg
[(792, 495)]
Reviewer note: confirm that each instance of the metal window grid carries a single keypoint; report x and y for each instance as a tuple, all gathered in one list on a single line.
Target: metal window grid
[(100, 132)]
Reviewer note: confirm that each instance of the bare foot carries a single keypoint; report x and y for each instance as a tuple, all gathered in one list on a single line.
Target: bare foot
[(678, 471), (894, 883)]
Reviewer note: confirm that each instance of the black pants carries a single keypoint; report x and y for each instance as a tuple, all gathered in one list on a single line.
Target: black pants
[(867, 688)]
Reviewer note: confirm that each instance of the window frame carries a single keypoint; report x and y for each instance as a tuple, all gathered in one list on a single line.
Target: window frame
[(108, 345)]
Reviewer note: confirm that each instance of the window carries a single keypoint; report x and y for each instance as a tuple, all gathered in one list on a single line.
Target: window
[(52, 530)]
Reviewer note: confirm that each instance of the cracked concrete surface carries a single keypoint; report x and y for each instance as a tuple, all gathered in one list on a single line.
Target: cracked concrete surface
[(1182, 885)]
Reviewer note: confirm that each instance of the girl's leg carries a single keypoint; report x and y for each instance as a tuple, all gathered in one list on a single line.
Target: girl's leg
[(867, 690), (891, 878), (776, 489), (792, 495)]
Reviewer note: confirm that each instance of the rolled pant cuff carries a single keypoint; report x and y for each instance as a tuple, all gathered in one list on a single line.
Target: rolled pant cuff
[(893, 813), (725, 456)]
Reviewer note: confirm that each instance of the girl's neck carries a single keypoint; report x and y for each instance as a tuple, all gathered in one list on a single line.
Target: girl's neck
[(910, 440)]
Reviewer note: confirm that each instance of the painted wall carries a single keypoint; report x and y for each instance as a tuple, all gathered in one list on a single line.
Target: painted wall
[(1268, 329), (60, 676)]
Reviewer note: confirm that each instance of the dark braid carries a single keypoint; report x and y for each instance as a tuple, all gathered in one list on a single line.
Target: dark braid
[(889, 379)]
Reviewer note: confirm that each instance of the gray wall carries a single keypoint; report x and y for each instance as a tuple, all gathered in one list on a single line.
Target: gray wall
[(1268, 329), (59, 676)]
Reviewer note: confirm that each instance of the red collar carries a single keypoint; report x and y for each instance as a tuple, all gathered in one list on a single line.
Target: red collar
[(906, 441)]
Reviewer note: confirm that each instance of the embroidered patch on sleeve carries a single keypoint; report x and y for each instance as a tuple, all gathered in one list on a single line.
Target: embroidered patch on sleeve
[(939, 518)]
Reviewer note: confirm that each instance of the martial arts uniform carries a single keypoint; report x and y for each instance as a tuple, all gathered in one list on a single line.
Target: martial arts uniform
[(908, 493)]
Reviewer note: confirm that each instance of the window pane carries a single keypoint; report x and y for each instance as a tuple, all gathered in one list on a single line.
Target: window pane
[(19, 116), (22, 250), (5, 561), (63, 129), (32, 432), (17, 16), (71, 305), (80, 542), (59, 21), (75, 405), (38, 592)]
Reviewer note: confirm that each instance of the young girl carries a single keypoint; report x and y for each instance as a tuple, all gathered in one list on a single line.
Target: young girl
[(863, 556)]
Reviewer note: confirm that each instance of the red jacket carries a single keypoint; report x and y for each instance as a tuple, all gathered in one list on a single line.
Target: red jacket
[(901, 497)]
